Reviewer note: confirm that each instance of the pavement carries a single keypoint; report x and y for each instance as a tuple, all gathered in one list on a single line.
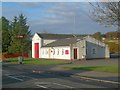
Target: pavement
[(94, 74), (105, 76)]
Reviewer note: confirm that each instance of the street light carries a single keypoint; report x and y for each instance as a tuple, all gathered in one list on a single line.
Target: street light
[(20, 37), (20, 59)]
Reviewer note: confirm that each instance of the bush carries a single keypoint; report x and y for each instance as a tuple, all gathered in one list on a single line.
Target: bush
[(8, 55), (114, 48)]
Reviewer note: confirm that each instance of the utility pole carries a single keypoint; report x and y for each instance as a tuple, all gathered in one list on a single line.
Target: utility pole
[(21, 37)]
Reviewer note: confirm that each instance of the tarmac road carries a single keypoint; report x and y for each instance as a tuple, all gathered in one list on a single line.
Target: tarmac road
[(42, 76)]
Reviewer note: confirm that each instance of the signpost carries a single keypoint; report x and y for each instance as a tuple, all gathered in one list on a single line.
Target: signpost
[(19, 36), (20, 58)]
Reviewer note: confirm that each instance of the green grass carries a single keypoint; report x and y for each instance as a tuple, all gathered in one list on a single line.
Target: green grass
[(35, 61), (111, 69)]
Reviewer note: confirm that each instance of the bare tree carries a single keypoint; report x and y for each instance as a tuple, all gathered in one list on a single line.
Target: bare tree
[(107, 13)]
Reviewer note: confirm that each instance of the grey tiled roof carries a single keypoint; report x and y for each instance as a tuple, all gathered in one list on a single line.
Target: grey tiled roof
[(63, 42), (55, 36)]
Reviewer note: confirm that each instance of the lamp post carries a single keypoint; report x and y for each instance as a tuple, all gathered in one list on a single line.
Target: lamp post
[(20, 58), (20, 37)]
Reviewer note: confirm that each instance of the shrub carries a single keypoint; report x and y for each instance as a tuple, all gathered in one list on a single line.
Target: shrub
[(8, 55)]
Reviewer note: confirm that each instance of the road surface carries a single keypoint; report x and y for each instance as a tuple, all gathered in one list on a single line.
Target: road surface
[(42, 76)]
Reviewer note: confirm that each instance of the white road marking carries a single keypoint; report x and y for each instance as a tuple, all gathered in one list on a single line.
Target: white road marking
[(43, 83), (63, 85), (15, 78), (27, 77), (41, 86)]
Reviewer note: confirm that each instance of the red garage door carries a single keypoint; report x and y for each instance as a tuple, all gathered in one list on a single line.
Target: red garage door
[(36, 50)]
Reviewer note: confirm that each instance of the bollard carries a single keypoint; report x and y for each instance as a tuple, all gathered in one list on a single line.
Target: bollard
[(20, 60)]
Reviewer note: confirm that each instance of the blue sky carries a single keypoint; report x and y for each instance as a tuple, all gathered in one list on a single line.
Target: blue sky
[(59, 17)]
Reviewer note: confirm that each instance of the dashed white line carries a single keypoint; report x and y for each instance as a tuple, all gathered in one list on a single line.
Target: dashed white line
[(43, 83), (47, 83), (63, 85), (41, 86), (15, 78), (27, 77)]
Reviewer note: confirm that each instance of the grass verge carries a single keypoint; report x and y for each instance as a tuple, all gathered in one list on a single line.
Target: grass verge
[(35, 61), (111, 69)]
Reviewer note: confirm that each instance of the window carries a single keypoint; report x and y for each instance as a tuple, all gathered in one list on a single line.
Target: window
[(94, 51), (46, 52), (62, 51), (54, 52), (58, 52), (86, 51), (43, 52)]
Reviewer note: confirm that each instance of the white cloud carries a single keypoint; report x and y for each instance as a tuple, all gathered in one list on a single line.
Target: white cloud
[(62, 13), (56, 17), (60, 0), (30, 4)]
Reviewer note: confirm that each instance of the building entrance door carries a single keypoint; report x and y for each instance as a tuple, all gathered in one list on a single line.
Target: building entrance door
[(36, 47), (75, 53)]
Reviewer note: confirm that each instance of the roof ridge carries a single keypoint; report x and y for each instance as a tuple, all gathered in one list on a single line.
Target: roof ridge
[(57, 36)]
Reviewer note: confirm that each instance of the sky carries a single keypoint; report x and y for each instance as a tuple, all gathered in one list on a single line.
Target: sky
[(55, 17)]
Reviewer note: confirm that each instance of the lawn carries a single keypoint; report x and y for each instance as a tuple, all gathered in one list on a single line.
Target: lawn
[(111, 69), (35, 61)]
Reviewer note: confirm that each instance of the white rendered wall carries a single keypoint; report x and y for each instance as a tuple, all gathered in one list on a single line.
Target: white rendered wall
[(55, 52), (101, 49), (36, 39), (95, 50)]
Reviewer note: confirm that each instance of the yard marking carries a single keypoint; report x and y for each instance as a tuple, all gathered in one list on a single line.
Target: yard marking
[(43, 83), (38, 84), (63, 85), (47, 83), (15, 78), (41, 86), (28, 77), (99, 80)]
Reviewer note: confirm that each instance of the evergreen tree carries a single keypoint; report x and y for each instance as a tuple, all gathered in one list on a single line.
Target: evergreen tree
[(20, 28), (5, 34)]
